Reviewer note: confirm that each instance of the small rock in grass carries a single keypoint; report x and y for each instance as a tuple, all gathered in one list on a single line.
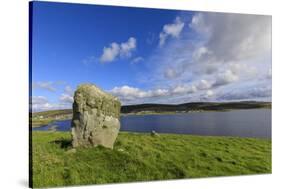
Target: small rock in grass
[(153, 133), (120, 150)]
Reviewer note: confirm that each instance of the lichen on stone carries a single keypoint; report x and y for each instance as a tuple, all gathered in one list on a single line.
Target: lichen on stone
[(95, 117)]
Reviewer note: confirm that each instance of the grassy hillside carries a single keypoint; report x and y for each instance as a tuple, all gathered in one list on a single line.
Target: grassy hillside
[(43, 118), (141, 157), (52, 113)]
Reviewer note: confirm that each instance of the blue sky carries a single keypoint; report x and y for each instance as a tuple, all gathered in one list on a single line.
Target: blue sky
[(148, 55)]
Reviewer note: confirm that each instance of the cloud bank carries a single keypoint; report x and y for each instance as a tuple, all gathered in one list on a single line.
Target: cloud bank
[(210, 57), (216, 56)]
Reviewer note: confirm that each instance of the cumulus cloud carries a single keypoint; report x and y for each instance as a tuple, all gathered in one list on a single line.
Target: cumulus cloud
[(126, 93), (183, 89), (216, 53), (41, 103), (44, 85), (67, 96), (232, 37), (200, 52), (127, 47), (171, 30), (204, 84), (116, 50), (225, 78), (110, 53), (129, 94), (209, 93)]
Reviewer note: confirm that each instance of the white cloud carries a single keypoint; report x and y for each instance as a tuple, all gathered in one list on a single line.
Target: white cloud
[(127, 93), (44, 85), (67, 96), (64, 101), (204, 84), (198, 53), (110, 53), (137, 60), (116, 50), (183, 89), (217, 52), (39, 100), (180, 89), (172, 30), (127, 47), (232, 37), (225, 78), (209, 93), (41, 103), (159, 92)]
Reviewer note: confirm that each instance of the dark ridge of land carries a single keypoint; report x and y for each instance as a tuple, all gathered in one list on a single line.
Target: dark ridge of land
[(194, 106)]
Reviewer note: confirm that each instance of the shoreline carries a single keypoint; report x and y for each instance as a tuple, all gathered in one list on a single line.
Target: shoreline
[(47, 121), (186, 112)]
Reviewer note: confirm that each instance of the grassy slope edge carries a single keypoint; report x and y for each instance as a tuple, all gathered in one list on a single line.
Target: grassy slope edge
[(141, 157)]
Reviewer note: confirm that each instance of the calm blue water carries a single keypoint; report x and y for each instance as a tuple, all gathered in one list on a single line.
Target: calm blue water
[(243, 123)]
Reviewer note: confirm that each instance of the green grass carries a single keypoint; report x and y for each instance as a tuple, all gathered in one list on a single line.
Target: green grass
[(142, 157)]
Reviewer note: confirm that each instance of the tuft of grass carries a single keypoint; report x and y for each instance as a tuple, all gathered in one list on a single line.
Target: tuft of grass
[(141, 157)]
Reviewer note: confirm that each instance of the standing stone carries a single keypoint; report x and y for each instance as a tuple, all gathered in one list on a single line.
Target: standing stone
[(95, 117)]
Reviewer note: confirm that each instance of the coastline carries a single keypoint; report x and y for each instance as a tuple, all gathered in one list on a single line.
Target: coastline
[(39, 123)]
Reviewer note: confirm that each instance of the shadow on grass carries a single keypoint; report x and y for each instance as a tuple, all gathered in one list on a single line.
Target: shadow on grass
[(63, 143)]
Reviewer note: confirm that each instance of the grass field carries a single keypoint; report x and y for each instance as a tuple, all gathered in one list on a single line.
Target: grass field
[(142, 157)]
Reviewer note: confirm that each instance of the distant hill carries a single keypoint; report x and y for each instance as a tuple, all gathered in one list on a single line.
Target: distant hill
[(194, 106), (158, 108), (52, 113)]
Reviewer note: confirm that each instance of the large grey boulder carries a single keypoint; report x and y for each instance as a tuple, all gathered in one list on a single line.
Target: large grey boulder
[(95, 117)]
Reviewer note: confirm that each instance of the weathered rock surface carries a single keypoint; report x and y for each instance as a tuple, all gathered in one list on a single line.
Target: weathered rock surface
[(95, 117)]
